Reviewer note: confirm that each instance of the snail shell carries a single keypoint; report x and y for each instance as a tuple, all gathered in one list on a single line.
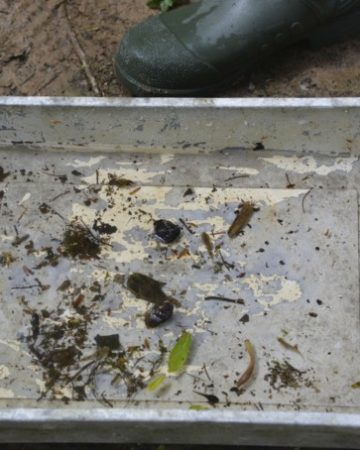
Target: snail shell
[(158, 314), (166, 231)]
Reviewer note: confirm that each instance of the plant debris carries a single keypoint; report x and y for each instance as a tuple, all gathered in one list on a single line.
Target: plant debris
[(238, 301), (60, 342), (284, 375), (111, 341), (241, 220), (80, 242), (208, 244), (6, 259), (146, 288), (189, 192), (115, 180), (245, 377), (245, 319), (285, 344), (156, 382), (103, 228), (3, 174), (198, 407), (180, 353)]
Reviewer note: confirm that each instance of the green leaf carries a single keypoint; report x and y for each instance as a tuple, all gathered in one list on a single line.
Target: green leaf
[(180, 353), (198, 408), (156, 382)]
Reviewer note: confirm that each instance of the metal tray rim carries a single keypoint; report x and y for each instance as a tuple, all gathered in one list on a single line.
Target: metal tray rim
[(299, 418), (151, 102)]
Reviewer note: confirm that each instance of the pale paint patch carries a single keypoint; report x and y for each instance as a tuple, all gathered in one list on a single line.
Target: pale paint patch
[(25, 198), (14, 345), (89, 163), (268, 197), (113, 321), (267, 291), (133, 173), (166, 158), (6, 238), (308, 164), (41, 384), (239, 170), (4, 372), (6, 393), (154, 199)]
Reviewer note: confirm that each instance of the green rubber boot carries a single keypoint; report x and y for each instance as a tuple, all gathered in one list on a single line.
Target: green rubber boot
[(198, 49)]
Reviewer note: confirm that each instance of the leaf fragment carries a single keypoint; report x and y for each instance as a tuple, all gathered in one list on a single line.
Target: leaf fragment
[(180, 353), (241, 220), (156, 382), (288, 346), (245, 377), (356, 385), (198, 408)]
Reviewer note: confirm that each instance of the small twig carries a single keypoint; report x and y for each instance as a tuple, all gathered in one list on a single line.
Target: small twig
[(245, 175), (46, 84), (27, 79), (238, 301), (227, 265), (59, 195), (32, 286), (186, 226), (206, 372), (106, 401), (80, 53), (72, 378), (289, 185), (24, 211), (304, 198), (135, 191)]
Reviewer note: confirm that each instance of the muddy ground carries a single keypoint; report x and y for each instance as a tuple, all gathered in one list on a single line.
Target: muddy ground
[(38, 54)]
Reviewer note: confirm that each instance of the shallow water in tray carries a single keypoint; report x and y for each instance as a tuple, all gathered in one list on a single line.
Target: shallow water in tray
[(72, 330)]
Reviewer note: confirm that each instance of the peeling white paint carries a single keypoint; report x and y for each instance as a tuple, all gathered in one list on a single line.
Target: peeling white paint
[(272, 290), (6, 393), (41, 384), (92, 161), (166, 158), (133, 173), (25, 198), (308, 164), (239, 170), (14, 345), (4, 372), (114, 322)]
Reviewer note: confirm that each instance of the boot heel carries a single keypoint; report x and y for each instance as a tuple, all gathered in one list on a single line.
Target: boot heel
[(341, 29)]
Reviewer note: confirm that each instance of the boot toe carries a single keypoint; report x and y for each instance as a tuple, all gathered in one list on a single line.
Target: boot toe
[(150, 60)]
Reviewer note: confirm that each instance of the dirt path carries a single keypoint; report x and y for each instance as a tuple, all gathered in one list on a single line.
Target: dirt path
[(38, 57)]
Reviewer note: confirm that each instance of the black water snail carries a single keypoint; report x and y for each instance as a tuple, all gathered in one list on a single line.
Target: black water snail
[(158, 314), (166, 231)]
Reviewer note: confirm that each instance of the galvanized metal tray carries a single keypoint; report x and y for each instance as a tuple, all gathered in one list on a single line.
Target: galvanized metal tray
[(108, 168)]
